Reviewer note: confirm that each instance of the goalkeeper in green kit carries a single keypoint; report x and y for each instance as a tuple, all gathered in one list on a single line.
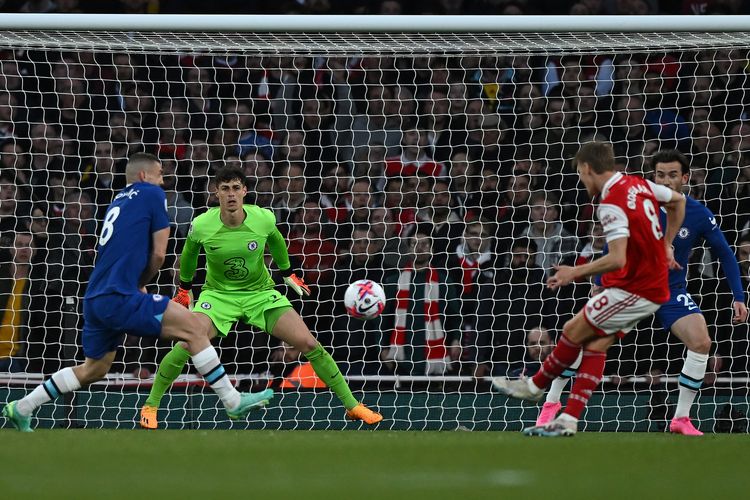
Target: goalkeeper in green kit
[(239, 287)]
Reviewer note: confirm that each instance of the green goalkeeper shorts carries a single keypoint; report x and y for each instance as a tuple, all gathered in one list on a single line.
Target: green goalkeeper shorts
[(261, 309)]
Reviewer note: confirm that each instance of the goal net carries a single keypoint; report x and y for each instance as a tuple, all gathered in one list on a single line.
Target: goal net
[(435, 163)]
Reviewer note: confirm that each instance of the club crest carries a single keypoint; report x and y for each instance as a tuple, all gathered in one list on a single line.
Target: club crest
[(252, 245)]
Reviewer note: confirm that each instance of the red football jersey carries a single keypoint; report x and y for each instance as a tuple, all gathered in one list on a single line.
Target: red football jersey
[(629, 207)]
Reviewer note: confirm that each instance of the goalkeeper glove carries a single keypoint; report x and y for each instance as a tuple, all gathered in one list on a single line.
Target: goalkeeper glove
[(295, 283), (183, 295)]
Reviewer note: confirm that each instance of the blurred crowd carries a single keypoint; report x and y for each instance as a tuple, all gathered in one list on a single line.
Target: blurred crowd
[(447, 179), (389, 7)]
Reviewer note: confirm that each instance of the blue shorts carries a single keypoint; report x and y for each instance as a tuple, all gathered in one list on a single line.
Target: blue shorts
[(108, 318), (680, 304)]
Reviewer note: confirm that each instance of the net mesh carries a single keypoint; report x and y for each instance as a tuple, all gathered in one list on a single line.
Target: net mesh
[(362, 144)]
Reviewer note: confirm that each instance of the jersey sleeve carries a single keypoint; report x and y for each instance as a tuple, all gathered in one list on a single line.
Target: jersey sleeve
[(189, 256), (662, 193), (614, 221), (159, 216), (276, 242), (720, 248)]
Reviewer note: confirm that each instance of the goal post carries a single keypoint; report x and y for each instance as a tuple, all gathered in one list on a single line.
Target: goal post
[(362, 135)]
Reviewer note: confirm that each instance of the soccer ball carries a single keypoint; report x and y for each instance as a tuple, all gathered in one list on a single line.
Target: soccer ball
[(364, 299)]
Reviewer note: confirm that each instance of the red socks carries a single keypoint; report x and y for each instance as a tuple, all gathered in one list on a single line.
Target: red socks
[(587, 378), (564, 355)]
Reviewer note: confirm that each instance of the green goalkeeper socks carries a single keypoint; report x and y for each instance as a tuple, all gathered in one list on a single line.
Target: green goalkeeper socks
[(169, 369), (329, 372)]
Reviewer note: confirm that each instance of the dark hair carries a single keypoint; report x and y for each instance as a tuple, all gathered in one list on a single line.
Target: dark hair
[(669, 156), (599, 155), (229, 173), (527, 243)]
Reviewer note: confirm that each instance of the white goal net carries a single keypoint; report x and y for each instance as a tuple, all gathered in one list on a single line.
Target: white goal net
[(437, 164)]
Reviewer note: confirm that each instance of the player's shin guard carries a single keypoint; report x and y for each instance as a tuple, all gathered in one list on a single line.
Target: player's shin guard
[(587, 379), (558, 385), (564, 354), (690, 380), (325, 367), (58, 384), (169, 369), (207, 363)]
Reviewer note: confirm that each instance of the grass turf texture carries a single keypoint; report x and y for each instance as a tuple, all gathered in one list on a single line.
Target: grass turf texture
[(320, 464)]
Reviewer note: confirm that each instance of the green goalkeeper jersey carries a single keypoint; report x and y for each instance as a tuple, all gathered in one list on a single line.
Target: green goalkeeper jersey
[(234, 255)]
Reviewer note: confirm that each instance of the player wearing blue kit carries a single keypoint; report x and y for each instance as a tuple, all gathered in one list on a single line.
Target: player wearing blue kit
[(132, 248), (681, 315)]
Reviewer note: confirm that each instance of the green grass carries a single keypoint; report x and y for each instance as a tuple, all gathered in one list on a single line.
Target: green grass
[(359, 465)]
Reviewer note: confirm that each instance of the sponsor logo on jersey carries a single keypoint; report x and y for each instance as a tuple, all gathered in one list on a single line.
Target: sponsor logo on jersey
[(712, 220), (252, 245), (683, 232), (205, 305)]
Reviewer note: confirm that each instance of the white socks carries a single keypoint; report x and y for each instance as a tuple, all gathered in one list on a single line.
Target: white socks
[(207, 363), (58, 384), (690, 380)]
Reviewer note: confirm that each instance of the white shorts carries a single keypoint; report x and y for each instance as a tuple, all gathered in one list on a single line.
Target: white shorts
[(615, 311)]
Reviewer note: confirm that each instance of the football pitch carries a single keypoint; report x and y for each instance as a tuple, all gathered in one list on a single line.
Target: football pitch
[(113, 464)]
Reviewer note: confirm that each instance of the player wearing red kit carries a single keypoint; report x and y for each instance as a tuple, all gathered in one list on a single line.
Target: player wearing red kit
[(634, 277)]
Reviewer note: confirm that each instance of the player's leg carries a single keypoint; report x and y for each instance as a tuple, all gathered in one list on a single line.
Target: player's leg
[(172, 366), (100, 339), (576, 332), (62, 382), (215, 310), (693, 332), (552, 405), (289, 327), (180, 324)]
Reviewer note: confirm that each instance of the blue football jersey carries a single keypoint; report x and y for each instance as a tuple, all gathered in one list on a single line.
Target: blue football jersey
[(138, 211), (699, 224)]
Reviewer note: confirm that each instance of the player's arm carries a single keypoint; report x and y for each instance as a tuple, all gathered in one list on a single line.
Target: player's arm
[(720, 248), (614, 260), (159, 241), (188, 265), (674, 204), (280, 254)]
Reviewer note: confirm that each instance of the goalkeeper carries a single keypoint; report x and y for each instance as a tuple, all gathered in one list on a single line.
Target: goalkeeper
[(239, 287)]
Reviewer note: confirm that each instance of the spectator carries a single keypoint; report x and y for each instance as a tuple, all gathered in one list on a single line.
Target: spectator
[(374, 126), (517, 302), (414, 158), (17, 281), (351, 340), (172, 126), (401, 201), (538, 346), (463, 183), (11, 207), (201, 93), (178, 208), (438, 213), (319, 133), (102, 177), (555, 244), (422, 325), (472, 265), (370, 163), (289, 192), (594, 248), (629, 133)]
